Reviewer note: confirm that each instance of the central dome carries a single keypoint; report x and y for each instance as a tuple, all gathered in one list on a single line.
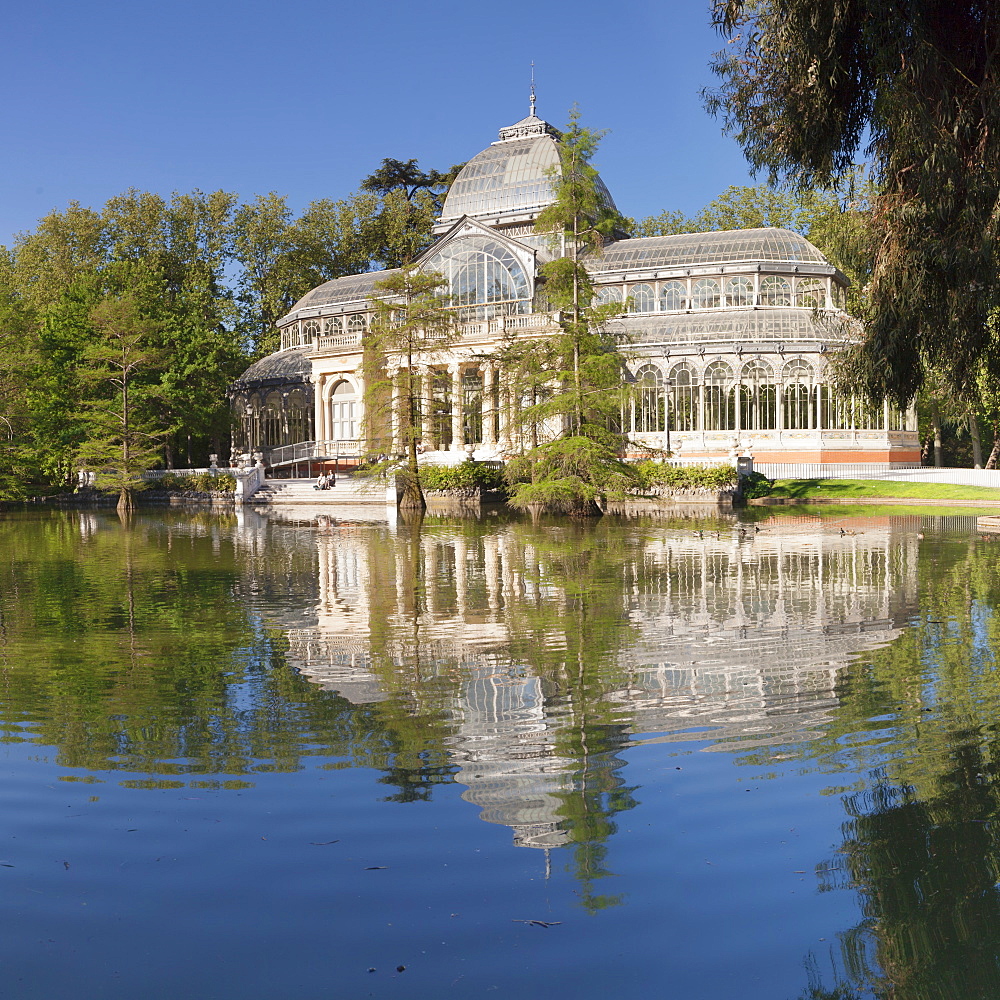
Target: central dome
[(510, 181)]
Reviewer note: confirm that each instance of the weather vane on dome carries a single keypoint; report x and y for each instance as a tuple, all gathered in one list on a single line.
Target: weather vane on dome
[(531, 113)]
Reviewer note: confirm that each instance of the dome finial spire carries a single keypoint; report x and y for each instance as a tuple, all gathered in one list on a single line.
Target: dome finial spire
[(531, 111)]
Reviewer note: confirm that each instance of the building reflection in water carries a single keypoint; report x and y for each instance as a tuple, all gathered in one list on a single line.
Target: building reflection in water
[(538, 646)]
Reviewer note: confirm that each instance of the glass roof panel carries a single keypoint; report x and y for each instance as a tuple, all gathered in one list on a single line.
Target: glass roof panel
[(689, 249), (355, 288), (282, 366), (780, 324), (506, 177)]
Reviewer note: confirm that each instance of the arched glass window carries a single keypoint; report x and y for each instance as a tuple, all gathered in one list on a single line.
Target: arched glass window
[(758, 411), (798, 412), (356, 323), (798, 370), (270, 421), (246, 410), (683, 398), (650, 407), (720, 397), (332, 326), (343, 412), (643, 298), (706, 294), (673, 296), (298, 414), (310, 329), (484, 278), (440, 412), (607, 295), (739, 291), (472, 406), (290, 335), (775, 291), (811, 293)]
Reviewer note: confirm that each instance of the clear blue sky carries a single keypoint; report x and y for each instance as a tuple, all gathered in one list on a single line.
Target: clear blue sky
[(305, 98)]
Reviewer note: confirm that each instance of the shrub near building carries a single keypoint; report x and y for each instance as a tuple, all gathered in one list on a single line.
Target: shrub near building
[(657, 477)]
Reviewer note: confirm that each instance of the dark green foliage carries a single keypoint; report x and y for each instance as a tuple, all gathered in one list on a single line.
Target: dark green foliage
[(653, 474), (804, 83), (568, 475), (211, 275), (466, 476), (411, 199), (756, 485), (203, 482)]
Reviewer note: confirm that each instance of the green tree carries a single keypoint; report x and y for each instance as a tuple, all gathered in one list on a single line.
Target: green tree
[(64, 247), (804, 84), (411, 201), (412, 323), (575, 378), (667, 223), (120, 443)]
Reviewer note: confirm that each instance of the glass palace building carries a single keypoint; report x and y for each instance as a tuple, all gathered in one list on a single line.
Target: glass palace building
[(729, 337)]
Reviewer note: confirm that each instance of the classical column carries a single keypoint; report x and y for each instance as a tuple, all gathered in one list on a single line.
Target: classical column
[(426, 407), (461, 553), (319, 408), (394, 416), (491, 571), (489, 427), (503, 398), (457, 439)]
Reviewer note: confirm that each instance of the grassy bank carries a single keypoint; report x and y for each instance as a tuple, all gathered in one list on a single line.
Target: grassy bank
[(859, 489)]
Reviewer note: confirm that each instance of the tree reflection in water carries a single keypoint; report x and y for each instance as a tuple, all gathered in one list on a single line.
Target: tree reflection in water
[(922, 841), (518, 659)]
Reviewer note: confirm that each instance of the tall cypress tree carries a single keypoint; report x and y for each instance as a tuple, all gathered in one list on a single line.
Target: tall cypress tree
[(576, 377)]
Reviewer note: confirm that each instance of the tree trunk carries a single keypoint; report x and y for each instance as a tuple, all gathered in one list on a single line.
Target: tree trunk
[(936, 424), (977, 444), (991, 462), (126, 502), (413, 494)]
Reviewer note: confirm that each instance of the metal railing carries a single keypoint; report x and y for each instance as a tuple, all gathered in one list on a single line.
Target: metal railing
[(151, 475), (304, 451)]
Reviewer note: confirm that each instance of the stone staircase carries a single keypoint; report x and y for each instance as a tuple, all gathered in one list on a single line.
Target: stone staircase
[(347, 490)]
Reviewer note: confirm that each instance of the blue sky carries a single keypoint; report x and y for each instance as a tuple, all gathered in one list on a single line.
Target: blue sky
[(305, 98)]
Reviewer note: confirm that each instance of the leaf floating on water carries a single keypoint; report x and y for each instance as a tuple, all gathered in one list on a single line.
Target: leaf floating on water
[(537, 923), (323, 843), (377, 868)]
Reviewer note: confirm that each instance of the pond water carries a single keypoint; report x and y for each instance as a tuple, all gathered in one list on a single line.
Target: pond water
[(253, 757)]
